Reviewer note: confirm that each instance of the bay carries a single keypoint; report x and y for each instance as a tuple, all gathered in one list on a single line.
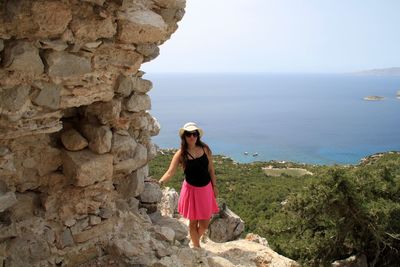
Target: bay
[(309, 118)]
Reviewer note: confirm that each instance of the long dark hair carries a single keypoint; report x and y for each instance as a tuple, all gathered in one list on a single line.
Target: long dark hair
[(184, 148)]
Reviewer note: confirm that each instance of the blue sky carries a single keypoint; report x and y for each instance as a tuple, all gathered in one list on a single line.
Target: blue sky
[(283, 36)]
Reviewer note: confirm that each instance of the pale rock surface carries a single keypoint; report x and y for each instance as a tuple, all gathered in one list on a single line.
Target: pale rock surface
[(85, 167), (23, 57), (123, 147), (64, 64), (168, 205), (7, 200), (49, 96), (73, 140), (226, 226), (99, 137), (141, 26), (138, 102)]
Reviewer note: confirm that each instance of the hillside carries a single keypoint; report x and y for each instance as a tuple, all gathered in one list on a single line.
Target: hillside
[(386, 71), (268, 204)]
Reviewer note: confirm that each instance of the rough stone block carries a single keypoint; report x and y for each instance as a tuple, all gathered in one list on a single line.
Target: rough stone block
[(85, 167), (151, 193), (138, 102), (63, 64), (142, 26), (95, 231), (123, 147), (99, 137), (7, 200), (49, 96), (23, 57), (73, 140)]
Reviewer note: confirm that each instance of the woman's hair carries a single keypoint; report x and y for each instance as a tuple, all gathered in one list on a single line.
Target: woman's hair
[(184, 147)]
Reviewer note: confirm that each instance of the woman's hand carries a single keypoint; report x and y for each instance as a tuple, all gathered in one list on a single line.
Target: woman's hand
[(215, 191)]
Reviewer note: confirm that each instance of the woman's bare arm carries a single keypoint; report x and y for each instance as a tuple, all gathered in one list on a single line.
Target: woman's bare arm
[(172, 168)]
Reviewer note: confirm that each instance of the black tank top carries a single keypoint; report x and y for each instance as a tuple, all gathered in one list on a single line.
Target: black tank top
[(196, 171)]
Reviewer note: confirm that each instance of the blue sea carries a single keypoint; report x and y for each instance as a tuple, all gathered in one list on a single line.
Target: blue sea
[(308, 118)]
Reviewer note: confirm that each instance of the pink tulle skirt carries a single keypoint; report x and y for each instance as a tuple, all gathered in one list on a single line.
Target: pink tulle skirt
[(197, 203)]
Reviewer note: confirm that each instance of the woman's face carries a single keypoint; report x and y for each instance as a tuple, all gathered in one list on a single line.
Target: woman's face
[(191, 137)]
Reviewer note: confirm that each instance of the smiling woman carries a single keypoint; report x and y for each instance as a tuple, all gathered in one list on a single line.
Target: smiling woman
[(197, 197), (282, 36)]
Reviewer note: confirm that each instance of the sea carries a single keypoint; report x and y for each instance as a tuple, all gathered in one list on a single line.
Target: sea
[(305, 118)]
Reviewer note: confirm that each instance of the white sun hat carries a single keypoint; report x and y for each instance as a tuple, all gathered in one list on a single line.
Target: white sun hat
[(190, 127)]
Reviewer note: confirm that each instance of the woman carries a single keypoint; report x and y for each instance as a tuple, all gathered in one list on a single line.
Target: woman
[(199, 189)]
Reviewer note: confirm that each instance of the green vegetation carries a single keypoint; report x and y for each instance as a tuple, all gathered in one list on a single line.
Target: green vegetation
[(314, 219)]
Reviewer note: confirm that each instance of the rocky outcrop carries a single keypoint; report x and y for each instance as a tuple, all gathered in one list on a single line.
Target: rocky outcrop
[(75, 131)]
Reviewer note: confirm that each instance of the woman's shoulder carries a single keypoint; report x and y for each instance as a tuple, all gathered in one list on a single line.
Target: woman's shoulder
[(206, 149)]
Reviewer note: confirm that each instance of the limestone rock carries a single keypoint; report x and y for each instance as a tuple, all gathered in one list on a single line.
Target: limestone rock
[(124, 85), (141, 26), (73, 140), (52, 17), (107, 56), (99, 137), (56, 45), (149, 51), (138, 102), (91, 29), (132, 185), (49, 96), (129, 165), (106, 112), (247, 253), (165, 233), (23, 57), (64, 64), (123, 147), (180, 229), (168, 205), (151, 193), (171, 3), (225, 227), (7, 200), (96, 2), (14, 99), (141, 85), (80, 96), (85, 167)]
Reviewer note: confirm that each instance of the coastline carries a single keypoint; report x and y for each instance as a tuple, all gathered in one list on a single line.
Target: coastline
[(290, 164)]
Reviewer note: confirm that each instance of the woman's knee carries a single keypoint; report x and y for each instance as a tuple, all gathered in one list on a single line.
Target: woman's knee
[(193, 224), (204, 224)]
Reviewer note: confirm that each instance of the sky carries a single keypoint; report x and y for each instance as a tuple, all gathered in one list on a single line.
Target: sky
[(307, 36)]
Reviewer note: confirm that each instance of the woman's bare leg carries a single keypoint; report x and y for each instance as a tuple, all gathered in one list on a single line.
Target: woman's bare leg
[(194, 232), (203, 226)]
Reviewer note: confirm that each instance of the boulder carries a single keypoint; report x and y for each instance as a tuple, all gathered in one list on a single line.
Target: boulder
[(225, 226)]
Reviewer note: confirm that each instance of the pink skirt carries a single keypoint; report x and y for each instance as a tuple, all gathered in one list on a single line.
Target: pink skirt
[(197, 203)]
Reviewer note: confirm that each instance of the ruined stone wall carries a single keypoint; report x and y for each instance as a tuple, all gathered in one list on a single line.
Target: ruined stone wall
[(75, 131)]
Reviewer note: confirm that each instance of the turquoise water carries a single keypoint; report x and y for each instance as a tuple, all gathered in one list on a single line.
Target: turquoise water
[(310, 118)]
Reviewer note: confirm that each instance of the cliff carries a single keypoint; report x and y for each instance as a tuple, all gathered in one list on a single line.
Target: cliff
[(75, 135)]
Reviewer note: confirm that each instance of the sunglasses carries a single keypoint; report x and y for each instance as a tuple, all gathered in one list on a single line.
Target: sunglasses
[(195, 134)]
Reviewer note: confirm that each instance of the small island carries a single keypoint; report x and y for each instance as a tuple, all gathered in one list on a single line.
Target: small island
[(374, 98), (398, 94)]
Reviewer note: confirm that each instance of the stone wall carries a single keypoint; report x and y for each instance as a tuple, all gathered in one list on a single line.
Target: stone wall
[(75, 131)]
